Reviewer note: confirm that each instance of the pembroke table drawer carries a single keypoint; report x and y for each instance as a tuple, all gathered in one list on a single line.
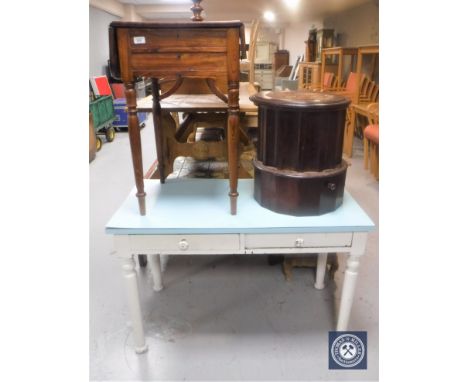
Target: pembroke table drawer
[(177, 243), (172, 40), (297, 240), (169, 62)]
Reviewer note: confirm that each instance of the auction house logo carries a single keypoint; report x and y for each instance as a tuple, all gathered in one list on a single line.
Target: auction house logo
[(347, 350)]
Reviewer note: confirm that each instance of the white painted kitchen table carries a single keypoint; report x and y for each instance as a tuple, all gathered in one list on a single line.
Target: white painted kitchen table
[(187, 216)]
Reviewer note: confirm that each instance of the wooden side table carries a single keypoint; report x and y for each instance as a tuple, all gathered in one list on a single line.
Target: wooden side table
[(207, 50)]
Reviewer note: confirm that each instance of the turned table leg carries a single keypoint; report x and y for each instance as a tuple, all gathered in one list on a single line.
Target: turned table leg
[(158, 129), (349, 132), (321, 270), (233, 139), (350, 279), (133, 301), (155, 266), (135, 144), (233, 67), (347, 295)]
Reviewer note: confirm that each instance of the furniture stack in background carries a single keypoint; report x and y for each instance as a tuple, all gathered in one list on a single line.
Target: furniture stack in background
[(371, 139), (102, 112), (102, 87), (361, 84)]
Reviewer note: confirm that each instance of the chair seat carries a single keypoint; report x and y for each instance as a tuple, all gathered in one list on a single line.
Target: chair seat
[(371, 132)]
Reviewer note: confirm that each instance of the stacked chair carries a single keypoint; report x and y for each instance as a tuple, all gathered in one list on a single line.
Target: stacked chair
[(371, 140)]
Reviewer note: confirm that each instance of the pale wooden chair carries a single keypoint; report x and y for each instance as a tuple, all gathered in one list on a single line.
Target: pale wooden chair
[(330, 82), (369, 91), (357, 89), (350, 90), (371, 139), (252, 49)]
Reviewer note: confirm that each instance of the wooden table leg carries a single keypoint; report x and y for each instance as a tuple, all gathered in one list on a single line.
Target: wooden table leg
[(135, 144), (233, 69), (348, 141), (133, 301), (233, 140), (158, 129)]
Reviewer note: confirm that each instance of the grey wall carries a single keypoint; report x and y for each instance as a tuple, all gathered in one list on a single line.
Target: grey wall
[(356, 26), (99, 40)]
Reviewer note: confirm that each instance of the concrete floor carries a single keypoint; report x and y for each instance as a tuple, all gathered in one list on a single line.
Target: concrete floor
[(220, 317)]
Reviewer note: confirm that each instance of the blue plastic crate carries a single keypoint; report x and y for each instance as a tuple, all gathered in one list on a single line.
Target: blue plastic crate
[(121, 119)]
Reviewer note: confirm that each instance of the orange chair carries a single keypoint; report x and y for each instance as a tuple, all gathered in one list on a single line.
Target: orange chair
[(350, 91), (369, 91), (329, 81), (351, 83), (371, 139)]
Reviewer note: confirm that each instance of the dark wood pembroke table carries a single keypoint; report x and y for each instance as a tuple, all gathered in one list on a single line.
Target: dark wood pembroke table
[(174, 51)]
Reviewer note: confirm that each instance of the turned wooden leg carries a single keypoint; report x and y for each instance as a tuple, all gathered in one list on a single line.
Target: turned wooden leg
[(321, 270), (374, 160), (155, 266), (377, 162), (133, 301), (233, 67), (158, 129), (233, 141), (349, 132), (135, 144), (349, 283), (366, 153), (347, 294)]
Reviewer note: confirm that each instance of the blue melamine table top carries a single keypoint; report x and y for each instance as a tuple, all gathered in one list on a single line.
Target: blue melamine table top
[(201, 206)]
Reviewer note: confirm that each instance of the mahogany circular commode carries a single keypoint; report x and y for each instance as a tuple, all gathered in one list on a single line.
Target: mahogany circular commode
[(299, 168)]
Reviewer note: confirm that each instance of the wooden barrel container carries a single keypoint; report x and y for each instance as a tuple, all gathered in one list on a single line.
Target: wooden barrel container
[(299, 168)]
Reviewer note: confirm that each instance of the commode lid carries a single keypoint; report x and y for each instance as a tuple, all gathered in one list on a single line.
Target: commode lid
[(301, 99)]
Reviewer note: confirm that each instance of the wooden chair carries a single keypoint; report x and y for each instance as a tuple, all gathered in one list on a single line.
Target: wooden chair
[(369, 91), (252, 49), (338, 53), (371, 139), (350, 90), (329, 82)]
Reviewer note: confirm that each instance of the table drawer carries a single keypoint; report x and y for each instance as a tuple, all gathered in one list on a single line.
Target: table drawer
[(179, 61), (298, 240), (173, 40), (187, 243)]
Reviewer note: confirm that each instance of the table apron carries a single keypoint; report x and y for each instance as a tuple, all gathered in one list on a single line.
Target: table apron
[(240, 244), (257, 251)]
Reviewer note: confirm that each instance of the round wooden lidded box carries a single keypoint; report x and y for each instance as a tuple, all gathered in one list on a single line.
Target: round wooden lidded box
[(299, 168)]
